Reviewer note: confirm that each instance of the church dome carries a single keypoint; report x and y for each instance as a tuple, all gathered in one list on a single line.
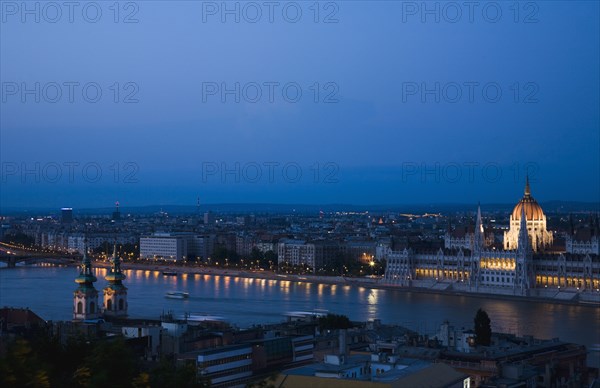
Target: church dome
[(533, 211)]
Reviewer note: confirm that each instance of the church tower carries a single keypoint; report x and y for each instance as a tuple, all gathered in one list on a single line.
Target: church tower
[(115, 293), (85, 297)]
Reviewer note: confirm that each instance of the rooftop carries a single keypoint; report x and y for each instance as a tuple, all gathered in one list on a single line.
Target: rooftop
[(416, 373)]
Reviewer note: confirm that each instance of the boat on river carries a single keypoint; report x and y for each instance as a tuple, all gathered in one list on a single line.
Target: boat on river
[(177, 295)]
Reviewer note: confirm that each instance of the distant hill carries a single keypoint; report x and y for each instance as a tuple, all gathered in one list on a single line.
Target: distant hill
[(266, 208)]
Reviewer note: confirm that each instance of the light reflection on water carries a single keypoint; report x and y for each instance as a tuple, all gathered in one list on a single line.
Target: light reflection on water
[(49, 290)]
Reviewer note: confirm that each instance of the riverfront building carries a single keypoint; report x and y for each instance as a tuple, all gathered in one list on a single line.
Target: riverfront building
[(176, 246), (296, 252), (115, 293), (85, 297), (164, 246), (525, 264)]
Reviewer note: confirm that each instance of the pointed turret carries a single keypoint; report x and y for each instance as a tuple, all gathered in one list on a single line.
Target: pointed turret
[(527, 188), (85, 297), (478, 237), (115, 275), (86, 276), (523, 273), (115, 293), (523, 239)]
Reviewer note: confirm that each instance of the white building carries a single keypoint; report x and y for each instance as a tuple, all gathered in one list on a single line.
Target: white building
[(164, 246), (514, 271), (459, 340), (296, 252)]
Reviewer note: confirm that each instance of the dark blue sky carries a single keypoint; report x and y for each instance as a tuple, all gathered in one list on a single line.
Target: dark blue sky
[(395, 106)]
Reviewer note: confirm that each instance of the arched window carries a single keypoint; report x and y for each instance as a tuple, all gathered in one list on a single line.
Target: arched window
[(92, 308), (79, 308), (109, 304), (120, 304)]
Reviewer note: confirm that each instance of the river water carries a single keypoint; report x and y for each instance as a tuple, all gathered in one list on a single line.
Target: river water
[(48, 291)]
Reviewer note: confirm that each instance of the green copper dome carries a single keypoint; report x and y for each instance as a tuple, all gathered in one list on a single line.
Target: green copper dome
[(115, 276), (86, 277)]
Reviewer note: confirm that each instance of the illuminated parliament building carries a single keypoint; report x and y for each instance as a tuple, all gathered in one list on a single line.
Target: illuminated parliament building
[(525, 264)]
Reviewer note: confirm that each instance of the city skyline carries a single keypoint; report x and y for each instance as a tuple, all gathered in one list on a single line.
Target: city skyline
[(433, 185)]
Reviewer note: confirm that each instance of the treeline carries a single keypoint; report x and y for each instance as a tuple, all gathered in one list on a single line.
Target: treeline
[(42, 361)]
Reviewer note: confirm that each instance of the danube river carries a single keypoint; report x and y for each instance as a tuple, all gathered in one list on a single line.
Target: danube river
[(48, 291)]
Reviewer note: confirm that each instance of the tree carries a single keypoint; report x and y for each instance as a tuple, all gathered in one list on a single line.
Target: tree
[(255, 254), (167, 374), (271, 256), (23, 367), (483, 328), (112, 364), (270, 259), (220, 253), (334, 321), (42, 361)]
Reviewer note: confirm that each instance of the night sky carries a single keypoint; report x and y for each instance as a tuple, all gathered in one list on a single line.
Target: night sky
[(359, 102)]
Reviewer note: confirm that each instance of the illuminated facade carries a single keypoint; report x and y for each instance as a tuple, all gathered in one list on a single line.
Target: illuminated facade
[(539, 237), (516, 270)]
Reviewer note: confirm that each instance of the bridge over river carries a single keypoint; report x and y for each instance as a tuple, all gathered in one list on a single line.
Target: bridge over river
[(12, 256)]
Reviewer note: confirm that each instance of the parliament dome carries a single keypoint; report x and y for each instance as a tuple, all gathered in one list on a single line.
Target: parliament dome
[(533, 211)]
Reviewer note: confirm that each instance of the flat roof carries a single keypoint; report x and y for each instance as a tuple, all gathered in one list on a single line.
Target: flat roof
[(352, 361), (431, 376)]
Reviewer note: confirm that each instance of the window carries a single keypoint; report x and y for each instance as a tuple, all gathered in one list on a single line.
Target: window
[(92, 308), (79, 308), (120, 304), (109, 304)]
